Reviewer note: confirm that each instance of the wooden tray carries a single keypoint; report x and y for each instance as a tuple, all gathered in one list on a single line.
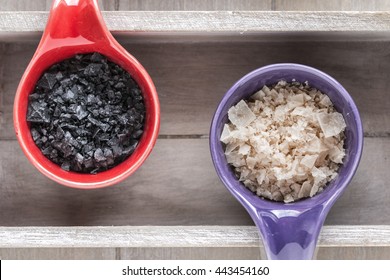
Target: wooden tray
[(175, 206)]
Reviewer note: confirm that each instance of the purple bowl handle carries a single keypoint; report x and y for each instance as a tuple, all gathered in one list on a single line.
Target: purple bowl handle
[(289, 231), (290, 235)]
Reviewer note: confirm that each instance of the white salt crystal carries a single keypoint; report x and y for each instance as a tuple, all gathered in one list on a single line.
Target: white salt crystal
[(266, 89), (288, 198), (336, 155), (325, 101), (261, 177), (240, 115), (317, 173), (298, 99), (309, 161), (251, 162), (226, 134), (314, 189), (244, 149), (331, 123), (231, 147), (258, 95), (305, 189)]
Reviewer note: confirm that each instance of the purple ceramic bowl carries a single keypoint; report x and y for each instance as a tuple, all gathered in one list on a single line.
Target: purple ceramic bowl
[(289, 231)]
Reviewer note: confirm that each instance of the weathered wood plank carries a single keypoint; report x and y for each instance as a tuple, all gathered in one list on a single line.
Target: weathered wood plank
[(58, 254), (252, 253), (211, 5), (177, 236), (194, 253), (213, 253), (354, 253), (332, 5), (23, 5), (147, 5), (190, 5), (177, 185), (191, 77), (214, 21), (44, 5)]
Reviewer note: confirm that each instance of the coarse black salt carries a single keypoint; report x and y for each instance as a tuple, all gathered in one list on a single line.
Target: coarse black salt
[(86, 114)]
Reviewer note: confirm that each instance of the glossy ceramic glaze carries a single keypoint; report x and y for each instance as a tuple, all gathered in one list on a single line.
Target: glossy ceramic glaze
[(76, 27), (289, 231)]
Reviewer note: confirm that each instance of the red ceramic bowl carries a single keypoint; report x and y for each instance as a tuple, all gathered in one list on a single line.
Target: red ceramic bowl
[(77, 27)]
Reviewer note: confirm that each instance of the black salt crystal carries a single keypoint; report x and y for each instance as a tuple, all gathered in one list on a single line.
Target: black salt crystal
[(35, 134), (33, 97), (68, 96), (93, 69), (89, 163), (109, 156), (59, 76), (99, 155), (65, 166), (96, 57), (137, 133), (47, 151), (38, 113), (47, 81), (57, 112), (81, 112), (119, 85), (86, 114)]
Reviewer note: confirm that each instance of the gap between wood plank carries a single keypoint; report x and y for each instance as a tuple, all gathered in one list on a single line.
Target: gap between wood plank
[(178, 236)]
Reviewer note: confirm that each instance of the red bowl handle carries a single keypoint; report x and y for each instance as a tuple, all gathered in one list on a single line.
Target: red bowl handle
[(79, 22)]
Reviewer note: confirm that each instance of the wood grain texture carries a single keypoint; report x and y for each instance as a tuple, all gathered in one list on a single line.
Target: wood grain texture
[(214, 21), (194, 253), (191, 253), (178, 236), (250, 253), (177, 185), (145, 5), (191, 77), (324, 253), (211, 5), (190, 5), (44, 5), (332, 5), (25, 5), (58, 254), (354, 253), (197, 253)]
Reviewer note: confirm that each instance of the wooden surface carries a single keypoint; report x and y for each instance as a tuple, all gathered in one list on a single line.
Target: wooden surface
[(58, 253), (190, 5), (178, 185), (332, 5), (215, 21), (209, 5), (177, 236), (335, 242), (350, 253), (202, 73)]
